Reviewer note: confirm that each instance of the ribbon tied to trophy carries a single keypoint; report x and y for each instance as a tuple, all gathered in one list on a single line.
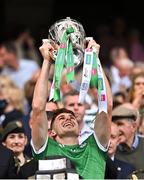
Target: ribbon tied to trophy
[(92, 74)]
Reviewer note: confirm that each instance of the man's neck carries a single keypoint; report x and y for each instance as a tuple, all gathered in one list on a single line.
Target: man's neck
[(67, 140)]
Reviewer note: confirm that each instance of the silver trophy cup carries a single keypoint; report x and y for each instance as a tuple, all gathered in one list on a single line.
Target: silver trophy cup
[(77, 37)]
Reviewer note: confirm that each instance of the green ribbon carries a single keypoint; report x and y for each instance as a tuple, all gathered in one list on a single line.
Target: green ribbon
[(65, 54), (70, 63)]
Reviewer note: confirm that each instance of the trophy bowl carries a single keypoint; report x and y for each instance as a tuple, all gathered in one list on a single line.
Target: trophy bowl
[(56, 32)]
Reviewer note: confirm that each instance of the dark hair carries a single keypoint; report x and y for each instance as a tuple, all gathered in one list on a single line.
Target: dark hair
[(60, 111), (120, 94), (10, 46), (115, 101), (49, 115)]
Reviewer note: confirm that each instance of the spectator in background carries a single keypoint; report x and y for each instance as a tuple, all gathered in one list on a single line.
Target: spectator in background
[(123, 168), (26, 45), (6, 82), (136, 93), (138, 68), (20, 70), (131, 146), (119, 98), (12, 99), (15, 139), (120, 70), (123, 81), (116, 54), (136, 97)]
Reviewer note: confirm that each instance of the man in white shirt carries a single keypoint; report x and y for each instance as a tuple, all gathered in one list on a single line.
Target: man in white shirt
[(20, 70)]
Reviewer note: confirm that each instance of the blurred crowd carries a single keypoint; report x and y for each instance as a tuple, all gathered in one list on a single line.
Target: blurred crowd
[(122, 56)]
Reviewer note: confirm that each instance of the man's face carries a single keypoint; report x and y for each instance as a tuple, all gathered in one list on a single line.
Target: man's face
[(126, 130), (7, 58), (139, 83), (71, 103), (114, 139), (65, 124)]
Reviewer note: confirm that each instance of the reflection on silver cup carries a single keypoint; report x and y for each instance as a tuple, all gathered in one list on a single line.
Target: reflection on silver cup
[(77, 38)]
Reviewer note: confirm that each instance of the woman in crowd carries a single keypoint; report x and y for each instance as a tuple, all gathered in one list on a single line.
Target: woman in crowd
[(136, 96), (15, 139), (11, 102)]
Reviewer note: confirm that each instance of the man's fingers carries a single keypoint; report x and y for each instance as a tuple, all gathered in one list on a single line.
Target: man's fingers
[(93, 44)]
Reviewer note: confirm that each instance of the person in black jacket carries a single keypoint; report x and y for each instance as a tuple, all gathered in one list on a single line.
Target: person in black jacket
[(7, 163), (124, 169), (14, 138)]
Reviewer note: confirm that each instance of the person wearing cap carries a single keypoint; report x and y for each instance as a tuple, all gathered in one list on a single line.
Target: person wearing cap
[(15, 139), (131, 146), (123, 168)]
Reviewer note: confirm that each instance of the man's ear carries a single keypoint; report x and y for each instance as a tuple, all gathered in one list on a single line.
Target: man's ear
[(134, 125), (51, 133)]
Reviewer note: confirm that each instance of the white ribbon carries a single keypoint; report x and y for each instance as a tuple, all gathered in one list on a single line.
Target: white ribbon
[(86, 76), (102, 97)]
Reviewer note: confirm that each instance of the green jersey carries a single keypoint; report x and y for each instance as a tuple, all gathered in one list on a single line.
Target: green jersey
[(88, 158)]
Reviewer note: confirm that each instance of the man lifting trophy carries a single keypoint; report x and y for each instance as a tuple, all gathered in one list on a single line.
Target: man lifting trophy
[(68, 47)]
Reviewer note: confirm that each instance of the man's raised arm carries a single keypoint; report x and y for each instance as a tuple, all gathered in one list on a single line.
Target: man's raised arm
[(39, 123), (102, 126)]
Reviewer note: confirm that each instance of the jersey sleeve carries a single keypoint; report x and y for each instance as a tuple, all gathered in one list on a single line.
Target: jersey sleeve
[(105, 149), (41, 153)]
